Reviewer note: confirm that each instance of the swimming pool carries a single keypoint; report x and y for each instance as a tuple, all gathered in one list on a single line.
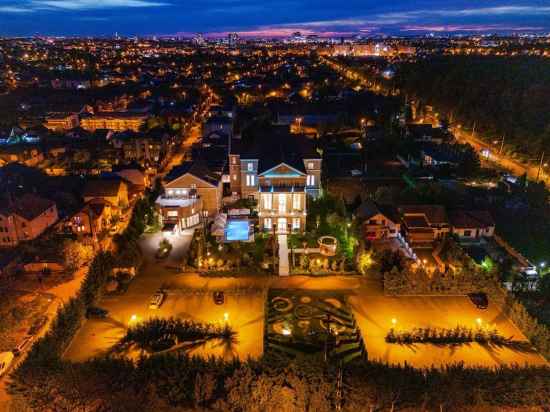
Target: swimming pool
[(236, 230)]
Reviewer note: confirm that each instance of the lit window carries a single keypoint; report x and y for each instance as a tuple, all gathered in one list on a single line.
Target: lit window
[(296, 201), (234, 160), (282, 203), (310, 165), (172, 213), (250, 166), (296, 223), (311, 180), (268, 201), (234, 178), (250, 180), (268, 224)]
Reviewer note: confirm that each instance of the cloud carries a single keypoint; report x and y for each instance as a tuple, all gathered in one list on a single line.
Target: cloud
[(14, 9), (467, 28), (401, 17), (77, 5)]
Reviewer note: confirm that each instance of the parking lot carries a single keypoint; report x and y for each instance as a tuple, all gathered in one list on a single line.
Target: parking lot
[(377, 314), (190, 296)]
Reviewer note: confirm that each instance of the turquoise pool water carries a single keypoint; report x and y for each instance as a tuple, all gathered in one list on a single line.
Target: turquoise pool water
[(236, 230)]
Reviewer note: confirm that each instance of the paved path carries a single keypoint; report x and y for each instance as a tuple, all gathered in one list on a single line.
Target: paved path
[(283, 255)]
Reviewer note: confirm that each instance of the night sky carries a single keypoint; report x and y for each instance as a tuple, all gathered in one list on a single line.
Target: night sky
[(267, 18)]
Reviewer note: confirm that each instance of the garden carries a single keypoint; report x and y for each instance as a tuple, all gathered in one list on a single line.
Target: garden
[(161, 335), (209, 257), (312, 322), (455, 336), (328, 219)]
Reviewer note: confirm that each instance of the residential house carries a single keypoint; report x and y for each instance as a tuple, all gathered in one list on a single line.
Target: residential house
[(218, 124), (435, 155), (379, 221), (191, 193), (25, 218), (25, 154), (136, 177), (112, 191), (277, 170), (60, 122), (472, 225), (92, 219), (426, 133), (116, 121), (422, 225), (148, 149)]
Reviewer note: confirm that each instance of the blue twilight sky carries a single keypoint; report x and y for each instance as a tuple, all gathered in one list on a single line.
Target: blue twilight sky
[(269, 17)]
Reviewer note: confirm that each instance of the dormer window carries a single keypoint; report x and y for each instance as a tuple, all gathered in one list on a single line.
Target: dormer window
[(310, 165), (250, 166)]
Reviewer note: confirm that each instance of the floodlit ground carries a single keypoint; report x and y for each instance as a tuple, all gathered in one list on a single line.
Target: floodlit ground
[(374, 315), (189, 296)]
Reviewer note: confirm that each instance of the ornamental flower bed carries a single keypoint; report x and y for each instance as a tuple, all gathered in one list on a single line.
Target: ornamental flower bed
[(458, 335)]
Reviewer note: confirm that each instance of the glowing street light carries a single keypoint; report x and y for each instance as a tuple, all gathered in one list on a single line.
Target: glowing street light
[(479, 321), (393, 321), (133, 319), (226, 316)]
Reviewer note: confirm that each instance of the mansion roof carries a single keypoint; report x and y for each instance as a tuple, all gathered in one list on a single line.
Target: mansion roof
[(277, 146)]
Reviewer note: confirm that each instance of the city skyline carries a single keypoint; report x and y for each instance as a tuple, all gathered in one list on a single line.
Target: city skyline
[(253, 18)]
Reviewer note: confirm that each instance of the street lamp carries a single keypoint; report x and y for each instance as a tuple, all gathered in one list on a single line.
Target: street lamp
[(394, 321), (226, 316), (479, 321)]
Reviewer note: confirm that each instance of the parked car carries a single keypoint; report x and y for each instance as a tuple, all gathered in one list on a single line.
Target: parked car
[(6, 358), (24, 344), (95, 312), (156, 300), (219, 298), (480, 300)]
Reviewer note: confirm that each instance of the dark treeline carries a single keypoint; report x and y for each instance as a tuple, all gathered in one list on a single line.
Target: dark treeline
[(503, 95), (179, 383)]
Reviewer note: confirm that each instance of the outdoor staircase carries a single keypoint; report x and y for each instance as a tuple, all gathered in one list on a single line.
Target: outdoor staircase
[(283, 255)]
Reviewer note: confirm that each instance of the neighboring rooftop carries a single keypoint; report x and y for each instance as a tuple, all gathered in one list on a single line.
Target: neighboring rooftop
[(29, 206)]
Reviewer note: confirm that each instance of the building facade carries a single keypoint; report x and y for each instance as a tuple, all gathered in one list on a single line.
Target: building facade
[(117, 122), (279, 172), (26, 218), (192, 194)]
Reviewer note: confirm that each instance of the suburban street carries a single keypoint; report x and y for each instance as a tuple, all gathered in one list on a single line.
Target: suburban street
[(511, 165), (504, 162)]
